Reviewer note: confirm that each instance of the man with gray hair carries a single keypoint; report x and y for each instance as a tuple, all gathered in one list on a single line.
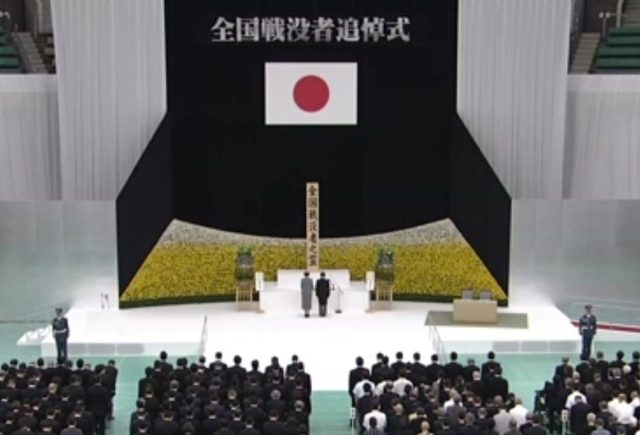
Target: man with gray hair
[(600, 430), (518, 413), (513, 428), (306, 288)]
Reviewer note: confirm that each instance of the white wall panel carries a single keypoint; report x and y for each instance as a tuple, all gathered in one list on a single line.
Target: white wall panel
[(110, 58), (56, 253), (602, 158), (512, 84), (29, 138), (574, 251)]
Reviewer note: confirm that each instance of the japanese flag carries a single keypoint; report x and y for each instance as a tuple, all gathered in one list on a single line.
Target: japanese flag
[(311, 93)]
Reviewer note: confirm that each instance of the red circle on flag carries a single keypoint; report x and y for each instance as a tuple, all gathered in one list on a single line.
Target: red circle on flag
[(311, 93)]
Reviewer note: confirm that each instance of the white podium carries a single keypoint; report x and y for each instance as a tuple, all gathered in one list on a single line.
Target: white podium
[(290, 279)]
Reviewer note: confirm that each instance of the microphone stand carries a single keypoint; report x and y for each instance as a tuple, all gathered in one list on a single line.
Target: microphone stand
[(334, 286)]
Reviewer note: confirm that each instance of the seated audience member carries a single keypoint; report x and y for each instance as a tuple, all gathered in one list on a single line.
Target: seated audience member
[(46, 397), (373, 428), (450, 404), (217, 399)]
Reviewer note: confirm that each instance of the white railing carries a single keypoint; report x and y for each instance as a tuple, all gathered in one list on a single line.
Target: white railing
[(204, 336), (621, 312), (39, 313), (619, 9), (436, 341)]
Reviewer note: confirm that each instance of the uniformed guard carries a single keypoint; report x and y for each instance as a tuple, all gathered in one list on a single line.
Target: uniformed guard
[(587, 328), (60, 327)]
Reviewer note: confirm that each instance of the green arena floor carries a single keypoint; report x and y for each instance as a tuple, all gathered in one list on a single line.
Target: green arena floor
[(525, 373)]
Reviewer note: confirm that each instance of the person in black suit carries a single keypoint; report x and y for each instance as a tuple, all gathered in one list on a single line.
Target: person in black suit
[(292, 367), (635, 363), (469, 369), (433, 370), (375, 367), (564, 370), (418, 370), (602, 366), (249, 428), (98, 404), (578, 416), (398, 365), (497, 385), (236, 374), (323, 290), (536, 427), (490, 366), (166, 424), (453, 368), (273, 426), (587, 326), (355, 376), (60, 326)]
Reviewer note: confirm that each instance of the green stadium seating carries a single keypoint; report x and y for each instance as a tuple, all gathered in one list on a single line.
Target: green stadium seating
[(621, 53), (625, 31), (621, 41), (3, 40), (8, 51), (606, 51), (618, 64), (9, 62)]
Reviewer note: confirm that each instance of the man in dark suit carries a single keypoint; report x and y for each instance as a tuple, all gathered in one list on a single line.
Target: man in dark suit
[(375, 367), (60, 326), (273, 426), (98, 404), (635, 363), (237, 374), (469, 369), (498, 386), (418, 370), (602, 366), (564, 370), (491, 366), (587, 326), (536, 427), (355, 376), (323, 290), (166, 424), (433, 370), (398, 365), (453, 368), (578, 416)]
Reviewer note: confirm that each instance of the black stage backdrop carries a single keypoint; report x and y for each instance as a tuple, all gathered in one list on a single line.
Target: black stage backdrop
[(392, 171), (145, 205), (479, 204), (233, 172)]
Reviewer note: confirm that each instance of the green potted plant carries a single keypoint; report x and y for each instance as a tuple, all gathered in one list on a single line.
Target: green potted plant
[(245, 263), (385, 269)]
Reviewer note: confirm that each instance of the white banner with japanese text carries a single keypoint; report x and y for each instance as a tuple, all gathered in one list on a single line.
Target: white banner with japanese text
[(313, 227)]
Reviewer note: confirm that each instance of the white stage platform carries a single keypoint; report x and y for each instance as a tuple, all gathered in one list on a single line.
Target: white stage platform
[(180, 330), (328, 346), (549, 331)]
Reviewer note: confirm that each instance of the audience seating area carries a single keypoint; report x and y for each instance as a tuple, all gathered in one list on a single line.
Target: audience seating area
[(620, 53), (9, 58), (409, 397), (196, 398), (597, 394), (37, 398)]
